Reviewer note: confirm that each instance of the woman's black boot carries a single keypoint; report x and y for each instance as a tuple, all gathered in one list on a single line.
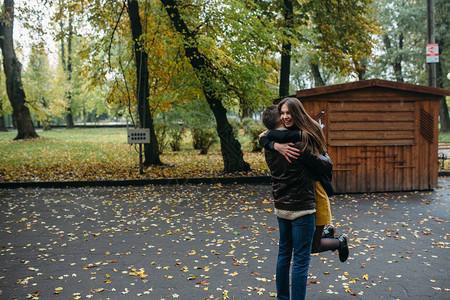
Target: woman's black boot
[(343, 248), (328, 232)]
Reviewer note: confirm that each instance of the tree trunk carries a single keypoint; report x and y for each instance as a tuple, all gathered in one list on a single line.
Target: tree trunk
[(61, 28), (443, 116), (69, 114), (2, 115), (285, 70), (318, 80), (151, 153), (13, 71), (233, 157), (246, 112), (397, 64), (2, 118), (443, 107), (444, 120), (46, 120), (361, 67), (3, 124)]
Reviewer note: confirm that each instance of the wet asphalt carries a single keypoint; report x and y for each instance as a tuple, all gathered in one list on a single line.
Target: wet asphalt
[(213, 241)]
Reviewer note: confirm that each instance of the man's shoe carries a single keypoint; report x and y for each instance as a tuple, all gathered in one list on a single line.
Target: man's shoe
[(328, 232), (343, 248)]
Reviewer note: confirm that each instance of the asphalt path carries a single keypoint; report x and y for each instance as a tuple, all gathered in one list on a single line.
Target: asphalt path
[(213, 241)]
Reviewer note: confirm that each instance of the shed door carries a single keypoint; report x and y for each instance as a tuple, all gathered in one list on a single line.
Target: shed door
[(374, 168)]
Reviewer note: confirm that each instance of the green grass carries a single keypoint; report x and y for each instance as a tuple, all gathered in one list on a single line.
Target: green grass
[(444, 136), (73, 145), (103, 154), (89, 135)]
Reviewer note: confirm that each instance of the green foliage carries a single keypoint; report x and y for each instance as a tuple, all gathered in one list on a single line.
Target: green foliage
[(175, 128), (235, 124), (169, 129), (47, 87), (203, 138), (402, 42), (253, 128), (176, 135), (42, 95), (442, 30), (168, 132), (160, 126), (199, 119), (171, 80), (238, 46), (444, 136), (86, 98), (338, 34), (303, 78), (171, 126), (196, 114)]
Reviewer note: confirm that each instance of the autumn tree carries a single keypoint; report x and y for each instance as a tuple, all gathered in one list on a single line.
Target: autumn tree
[(142, 76), (337, 36), (171, 77), (37, 80), (65, 19), (13, 73), (210, 73), (135, 56)]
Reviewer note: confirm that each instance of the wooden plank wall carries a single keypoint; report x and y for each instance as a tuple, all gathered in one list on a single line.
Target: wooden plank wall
[(360, 123), (376, 145)]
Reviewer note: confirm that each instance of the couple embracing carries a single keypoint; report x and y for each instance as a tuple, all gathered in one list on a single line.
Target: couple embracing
[(301, 175)]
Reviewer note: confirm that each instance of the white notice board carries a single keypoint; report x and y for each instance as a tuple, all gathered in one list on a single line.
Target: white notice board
[(138, 135)]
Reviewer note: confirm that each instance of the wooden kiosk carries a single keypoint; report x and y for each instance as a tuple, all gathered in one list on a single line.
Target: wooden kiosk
[(381, 135)]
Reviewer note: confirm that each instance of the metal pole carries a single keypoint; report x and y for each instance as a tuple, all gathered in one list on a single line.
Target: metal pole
[(140, 160), (431, 67)]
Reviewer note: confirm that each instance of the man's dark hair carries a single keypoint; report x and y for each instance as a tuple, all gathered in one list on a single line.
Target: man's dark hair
[(271, 117)]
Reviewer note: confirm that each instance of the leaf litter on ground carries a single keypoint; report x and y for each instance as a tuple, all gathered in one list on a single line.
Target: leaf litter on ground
[(207, 241)]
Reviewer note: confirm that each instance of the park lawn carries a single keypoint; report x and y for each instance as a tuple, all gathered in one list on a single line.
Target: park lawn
[(103, 154), (444, 136)]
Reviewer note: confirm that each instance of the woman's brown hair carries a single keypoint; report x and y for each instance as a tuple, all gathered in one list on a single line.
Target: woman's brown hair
[(310, 130)]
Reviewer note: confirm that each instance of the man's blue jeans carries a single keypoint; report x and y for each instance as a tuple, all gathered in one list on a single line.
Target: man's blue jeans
[(295, 236)]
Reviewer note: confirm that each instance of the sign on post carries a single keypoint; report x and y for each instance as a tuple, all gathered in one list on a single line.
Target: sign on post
[(138, 135), (432, 53)]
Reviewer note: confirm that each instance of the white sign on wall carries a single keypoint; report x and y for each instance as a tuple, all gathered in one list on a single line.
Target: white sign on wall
[(138, 136)]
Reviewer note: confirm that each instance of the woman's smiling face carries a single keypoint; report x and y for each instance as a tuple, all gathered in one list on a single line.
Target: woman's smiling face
[(285, 116)]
